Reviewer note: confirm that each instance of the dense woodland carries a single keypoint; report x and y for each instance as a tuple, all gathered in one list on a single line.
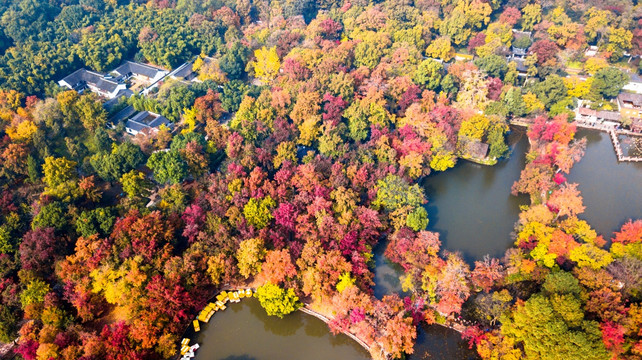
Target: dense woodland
[(301, 149)]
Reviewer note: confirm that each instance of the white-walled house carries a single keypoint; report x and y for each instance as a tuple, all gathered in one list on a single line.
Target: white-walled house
[(634, 84), (82, 79), (146, 122), (148, 73)]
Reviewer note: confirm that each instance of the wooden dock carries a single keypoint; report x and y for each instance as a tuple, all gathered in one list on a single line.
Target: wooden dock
[(618, 149)]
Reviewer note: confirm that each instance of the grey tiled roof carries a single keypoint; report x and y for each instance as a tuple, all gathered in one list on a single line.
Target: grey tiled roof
[(82, 77), (520, 65), (113, 102), (185, 71), (608, 115), (634, 99), (135, 126), (123, 114), (129, 68), (147, 120)]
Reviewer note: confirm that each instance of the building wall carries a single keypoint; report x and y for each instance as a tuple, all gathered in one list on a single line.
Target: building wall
[(108, 95), (631, 113)]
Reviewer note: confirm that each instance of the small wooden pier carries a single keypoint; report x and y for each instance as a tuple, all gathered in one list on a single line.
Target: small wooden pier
[(618, 149)]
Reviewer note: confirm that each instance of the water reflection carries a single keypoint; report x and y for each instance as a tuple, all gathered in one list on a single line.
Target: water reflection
[(440, 343), (245, 332), (288, 326), (386, 273), (611, 190), (471, 205)]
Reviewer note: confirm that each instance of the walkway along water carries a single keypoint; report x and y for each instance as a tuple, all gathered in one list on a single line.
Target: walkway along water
[(244, 331), (613, 134), (306, 309), (225, 294), (618, 149)]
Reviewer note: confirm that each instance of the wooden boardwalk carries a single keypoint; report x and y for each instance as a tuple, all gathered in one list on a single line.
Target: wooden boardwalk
[(306, 309), (618, 149)]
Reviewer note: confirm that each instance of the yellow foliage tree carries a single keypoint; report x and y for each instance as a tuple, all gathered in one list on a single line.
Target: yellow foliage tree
[(598, 20), (619, 41), (267, 63), (122, 286), (501, 31), (475, 127), (440, 48), (443, 161), (594, 64), (577, 87), (284, 151), (210, 70), (189, 118), (23, 131), (11, 98), (309, 130), (532, 103)]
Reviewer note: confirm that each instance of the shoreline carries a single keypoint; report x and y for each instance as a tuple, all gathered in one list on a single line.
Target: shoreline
[(307, 309)]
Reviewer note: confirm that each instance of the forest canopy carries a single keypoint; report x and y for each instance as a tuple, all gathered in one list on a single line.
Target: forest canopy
[(297, 147)]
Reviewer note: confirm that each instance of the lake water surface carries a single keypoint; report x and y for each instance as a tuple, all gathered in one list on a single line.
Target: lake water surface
[(245, 332), (612, 191)]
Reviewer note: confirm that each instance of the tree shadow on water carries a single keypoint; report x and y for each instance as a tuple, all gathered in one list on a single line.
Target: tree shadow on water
[(287, 326), (239, 357)]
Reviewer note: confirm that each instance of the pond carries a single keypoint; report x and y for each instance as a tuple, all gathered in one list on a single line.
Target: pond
[(471, 205), (473, 210), (245, 332)]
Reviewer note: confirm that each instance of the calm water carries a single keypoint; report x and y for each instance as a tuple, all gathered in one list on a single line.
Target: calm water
[(471, 206), (436, 342), (245, 332), (611, 190)]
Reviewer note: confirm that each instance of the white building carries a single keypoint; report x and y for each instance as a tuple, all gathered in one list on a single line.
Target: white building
[(148, 73), (634, 84), (146, 122), (82, 79)]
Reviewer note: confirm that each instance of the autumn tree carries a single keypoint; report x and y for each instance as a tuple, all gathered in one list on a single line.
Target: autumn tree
[(278, 266), (258, 212), (250, 255), (135, 184), (619, 41), (277, 301), (531, 15), (267, 63), (60, 177), (440, 48)]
